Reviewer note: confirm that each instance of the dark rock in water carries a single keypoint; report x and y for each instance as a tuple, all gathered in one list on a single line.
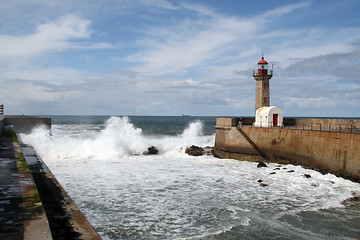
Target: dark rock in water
[(208, 150), (259, 181), (263, 185), (151, 151), (194, 151), (291, 171), (273, 173), (307, 175), (352, 199), (277, 168), (261, 164)]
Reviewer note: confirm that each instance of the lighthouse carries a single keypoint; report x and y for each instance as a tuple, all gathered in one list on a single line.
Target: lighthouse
[(262, 77), (265, 115)]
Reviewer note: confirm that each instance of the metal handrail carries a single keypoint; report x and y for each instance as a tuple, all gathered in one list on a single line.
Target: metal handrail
[(341, 128)]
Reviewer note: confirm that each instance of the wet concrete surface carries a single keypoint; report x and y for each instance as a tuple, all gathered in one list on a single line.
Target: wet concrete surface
[(11, 209), (33, 205)]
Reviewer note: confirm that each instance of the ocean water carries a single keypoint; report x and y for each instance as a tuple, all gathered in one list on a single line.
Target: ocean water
[(128, 195)]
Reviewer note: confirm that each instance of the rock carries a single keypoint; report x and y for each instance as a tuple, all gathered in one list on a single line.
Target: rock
[(355, 198), (273, 173), (208, 150), (261, 164), (277, 168), (263, 185), (151, 151), (194, 151), (350, 200), (307, 175), (291, 171), (259, 181)]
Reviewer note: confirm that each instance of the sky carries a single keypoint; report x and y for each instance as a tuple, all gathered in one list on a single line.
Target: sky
[(167, 57)]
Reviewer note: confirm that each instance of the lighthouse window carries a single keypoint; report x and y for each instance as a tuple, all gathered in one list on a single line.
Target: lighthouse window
[(265, 100), (263, 66), (265, 85)]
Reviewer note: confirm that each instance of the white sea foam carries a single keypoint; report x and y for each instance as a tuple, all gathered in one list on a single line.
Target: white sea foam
[(173, 195), (119, 138)]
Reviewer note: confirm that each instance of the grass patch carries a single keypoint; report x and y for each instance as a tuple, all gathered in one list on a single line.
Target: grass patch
[(10, 134)]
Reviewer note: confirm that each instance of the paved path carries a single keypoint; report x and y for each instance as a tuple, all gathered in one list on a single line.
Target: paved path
[(22, 215)]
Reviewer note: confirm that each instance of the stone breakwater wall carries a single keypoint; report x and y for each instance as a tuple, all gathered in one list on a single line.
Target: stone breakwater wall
[(1, 124), (64, 218), (334, 152), (57, 215), (324, 124), (24, 124)]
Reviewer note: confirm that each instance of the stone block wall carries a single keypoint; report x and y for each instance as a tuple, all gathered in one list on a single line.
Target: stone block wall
[(333, 152)]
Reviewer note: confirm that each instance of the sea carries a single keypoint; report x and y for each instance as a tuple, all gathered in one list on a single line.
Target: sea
[(126, 194)]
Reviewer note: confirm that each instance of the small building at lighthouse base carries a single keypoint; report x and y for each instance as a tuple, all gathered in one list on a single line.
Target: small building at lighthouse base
[(269, 117)]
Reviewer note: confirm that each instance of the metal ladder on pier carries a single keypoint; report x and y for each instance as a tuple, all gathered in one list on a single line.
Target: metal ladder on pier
[(261, 153)]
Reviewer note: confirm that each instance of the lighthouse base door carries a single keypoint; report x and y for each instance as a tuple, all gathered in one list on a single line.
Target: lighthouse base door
[(275, 120)]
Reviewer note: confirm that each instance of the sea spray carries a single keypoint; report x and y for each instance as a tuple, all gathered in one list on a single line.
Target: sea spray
[(191, 135), (176, 196), (118, 138)]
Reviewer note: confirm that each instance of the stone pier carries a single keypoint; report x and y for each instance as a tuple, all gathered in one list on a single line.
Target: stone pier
[(326, 150)]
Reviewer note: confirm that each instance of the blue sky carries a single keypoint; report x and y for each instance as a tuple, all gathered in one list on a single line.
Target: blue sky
[(159, 57)]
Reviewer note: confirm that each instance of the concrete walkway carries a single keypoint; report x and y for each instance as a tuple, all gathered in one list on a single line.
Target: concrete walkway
[(33, 205), (22, 215)]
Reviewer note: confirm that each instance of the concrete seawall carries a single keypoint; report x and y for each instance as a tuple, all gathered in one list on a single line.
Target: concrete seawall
[(333, 152), (24, 124), (64, 218), (1, 124), (35, 206)]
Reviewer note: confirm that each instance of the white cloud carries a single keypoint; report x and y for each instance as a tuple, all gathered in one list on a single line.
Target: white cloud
[(189, 44), (59, 35), (203, 57), (200, 9), (206, 42), (277, 12), (156, 103), (27, 91), (158, 4)]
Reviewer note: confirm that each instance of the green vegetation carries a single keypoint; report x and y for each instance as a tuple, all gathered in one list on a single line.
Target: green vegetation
[(9, 134)]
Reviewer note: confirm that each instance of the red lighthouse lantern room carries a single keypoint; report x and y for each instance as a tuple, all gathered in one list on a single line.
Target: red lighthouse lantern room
[(263, 67)]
